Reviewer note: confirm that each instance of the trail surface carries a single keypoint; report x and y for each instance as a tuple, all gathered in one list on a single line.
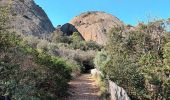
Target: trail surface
[(84, 88)]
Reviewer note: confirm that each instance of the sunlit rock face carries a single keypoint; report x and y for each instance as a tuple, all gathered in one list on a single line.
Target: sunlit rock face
[(28, 18), (94, 25)]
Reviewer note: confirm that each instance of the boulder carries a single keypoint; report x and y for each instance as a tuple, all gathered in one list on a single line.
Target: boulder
[(116, 92)]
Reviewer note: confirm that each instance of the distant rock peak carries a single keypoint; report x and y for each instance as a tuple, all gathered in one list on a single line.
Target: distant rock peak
[(93, 25)]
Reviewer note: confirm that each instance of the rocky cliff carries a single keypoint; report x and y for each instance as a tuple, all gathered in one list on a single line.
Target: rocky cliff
[(28, 18), (94, 25)]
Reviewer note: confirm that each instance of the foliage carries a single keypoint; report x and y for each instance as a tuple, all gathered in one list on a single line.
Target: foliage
[(47, 77), (75, 41), (121, 67), (137, 60), (76, 37), (26, 73), (91, 45), (59, 37), (3, 17), (100, 60)]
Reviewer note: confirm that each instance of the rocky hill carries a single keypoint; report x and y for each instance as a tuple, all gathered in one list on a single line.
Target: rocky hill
[(28, 18), (93, 25)]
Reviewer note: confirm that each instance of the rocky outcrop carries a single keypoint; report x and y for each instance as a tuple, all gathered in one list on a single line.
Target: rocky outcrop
[(68, 29), (116, 92), (94, 25), (28, 18)]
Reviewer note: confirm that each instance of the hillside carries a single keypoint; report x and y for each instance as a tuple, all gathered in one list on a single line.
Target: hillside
[(28, 18)]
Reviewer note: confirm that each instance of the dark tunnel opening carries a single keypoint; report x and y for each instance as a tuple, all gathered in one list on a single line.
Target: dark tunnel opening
[(87, 66)]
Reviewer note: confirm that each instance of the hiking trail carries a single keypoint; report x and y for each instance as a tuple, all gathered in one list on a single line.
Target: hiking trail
[(84, 87)]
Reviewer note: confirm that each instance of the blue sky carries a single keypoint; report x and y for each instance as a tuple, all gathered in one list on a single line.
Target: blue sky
[(128, 11)]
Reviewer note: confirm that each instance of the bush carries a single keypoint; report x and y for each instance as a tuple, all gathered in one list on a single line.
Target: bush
[(59, 37), (31, 41), (100, 61), (43, 45), (47, 78), (91, 45), (136, 61), (27, 74), (57, 74)]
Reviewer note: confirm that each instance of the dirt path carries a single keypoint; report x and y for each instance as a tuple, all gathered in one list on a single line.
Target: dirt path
[(84, 88)]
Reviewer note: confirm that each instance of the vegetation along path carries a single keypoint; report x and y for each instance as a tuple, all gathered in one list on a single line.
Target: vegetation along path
[(84, 88)]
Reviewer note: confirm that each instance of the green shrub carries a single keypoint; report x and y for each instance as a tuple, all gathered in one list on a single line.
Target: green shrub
[(26, 73), (91, 45), (100, 61), (59, 37), (136, 61), (48, 79), (76, 37)]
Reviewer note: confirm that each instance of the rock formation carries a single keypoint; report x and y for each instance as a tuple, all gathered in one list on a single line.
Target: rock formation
[(116, 92), (68, 29), (28, 18), (94, 25)]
